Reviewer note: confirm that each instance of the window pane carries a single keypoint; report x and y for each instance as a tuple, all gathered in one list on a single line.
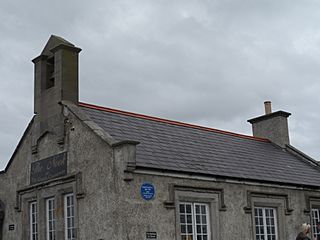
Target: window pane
[(194, 221), (265, 223), (182, 208), (188, 208), (33, 221), (189, 218), (315, 218), (182, 219), (69, 217), (197, 209), (203, 209), (183, 229), (204, 219), (198, 219), (204, 229), (51, 219)]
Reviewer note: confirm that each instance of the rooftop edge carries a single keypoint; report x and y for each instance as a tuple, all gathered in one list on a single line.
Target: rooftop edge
[(162, 120)]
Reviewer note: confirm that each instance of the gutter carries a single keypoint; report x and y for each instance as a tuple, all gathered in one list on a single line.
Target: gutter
[(221, 179)]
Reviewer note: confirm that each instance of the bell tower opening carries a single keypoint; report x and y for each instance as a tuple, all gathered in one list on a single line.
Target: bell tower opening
[(50, 73)]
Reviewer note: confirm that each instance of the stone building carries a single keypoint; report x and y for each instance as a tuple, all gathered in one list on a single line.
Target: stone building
[(87, 172)]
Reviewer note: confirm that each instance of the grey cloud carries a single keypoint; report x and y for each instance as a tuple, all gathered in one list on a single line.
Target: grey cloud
[(204, 62)]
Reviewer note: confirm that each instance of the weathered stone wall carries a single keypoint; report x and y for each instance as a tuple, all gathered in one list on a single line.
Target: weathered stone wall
[(88, 156), (109, 205), (15, 178), (141, 216)]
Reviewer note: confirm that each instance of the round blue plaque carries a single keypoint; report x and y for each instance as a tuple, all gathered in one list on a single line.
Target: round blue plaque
[(147, 191)]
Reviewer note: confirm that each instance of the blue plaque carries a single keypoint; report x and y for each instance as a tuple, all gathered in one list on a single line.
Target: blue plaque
[(147, 191)]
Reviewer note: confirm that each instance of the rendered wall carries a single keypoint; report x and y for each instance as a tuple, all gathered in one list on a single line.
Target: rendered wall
[(109, 204)]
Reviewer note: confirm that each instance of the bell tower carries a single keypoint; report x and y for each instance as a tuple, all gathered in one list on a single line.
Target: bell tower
[(55, 80)]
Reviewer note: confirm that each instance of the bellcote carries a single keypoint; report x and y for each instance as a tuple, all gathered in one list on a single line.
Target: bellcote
[(55, 79), (56, 75)]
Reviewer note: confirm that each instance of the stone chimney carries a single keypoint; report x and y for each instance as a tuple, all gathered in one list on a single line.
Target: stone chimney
[(55, 80), (272, 125)]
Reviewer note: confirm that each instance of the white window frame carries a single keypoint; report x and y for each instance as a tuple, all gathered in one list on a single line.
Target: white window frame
[(69, 215), (264, 223), (33, 220), (195, 233), (315, 217), (51, 218), (211, 197)]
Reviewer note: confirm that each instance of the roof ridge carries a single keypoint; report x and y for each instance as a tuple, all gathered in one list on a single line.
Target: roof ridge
[(172, 122)]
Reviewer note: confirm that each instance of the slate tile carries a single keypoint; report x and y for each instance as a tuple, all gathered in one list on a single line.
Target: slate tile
[(168, 146)]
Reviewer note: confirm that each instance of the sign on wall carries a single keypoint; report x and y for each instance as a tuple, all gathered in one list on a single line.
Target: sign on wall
[(147, 191), (48, 168), (11, 227), (151, 235)]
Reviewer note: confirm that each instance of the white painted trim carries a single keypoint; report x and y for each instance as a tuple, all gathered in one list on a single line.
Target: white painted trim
[(47, 215), (193, 214), (314, 220), (275, 216), (66, 214), (31, 213)]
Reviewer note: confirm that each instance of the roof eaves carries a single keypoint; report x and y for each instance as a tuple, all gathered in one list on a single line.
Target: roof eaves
[(224, 178)]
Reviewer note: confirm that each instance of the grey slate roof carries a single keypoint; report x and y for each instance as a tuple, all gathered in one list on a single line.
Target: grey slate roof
[(168, 145)]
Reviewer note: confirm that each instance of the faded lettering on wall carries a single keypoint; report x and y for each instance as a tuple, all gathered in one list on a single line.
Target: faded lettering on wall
[(48, 168)]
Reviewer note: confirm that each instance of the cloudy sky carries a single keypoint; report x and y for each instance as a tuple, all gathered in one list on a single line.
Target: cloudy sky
[(207, 62)]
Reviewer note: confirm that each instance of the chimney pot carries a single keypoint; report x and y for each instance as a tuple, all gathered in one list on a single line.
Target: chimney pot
[(267, 107)]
